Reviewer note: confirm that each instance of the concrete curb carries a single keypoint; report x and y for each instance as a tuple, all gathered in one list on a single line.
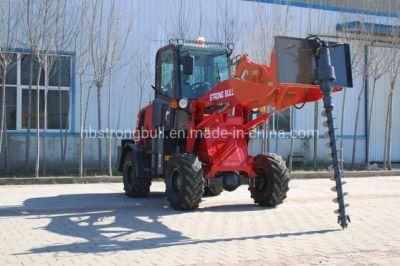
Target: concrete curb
[(118, 179), (350, 174), (59, 180)]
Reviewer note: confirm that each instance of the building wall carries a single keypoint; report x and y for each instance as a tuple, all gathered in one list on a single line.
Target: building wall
[(154, 23), (373, 6), (51, 158)]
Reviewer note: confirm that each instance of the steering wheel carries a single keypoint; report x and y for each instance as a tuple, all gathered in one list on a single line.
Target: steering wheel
[(200, 88)]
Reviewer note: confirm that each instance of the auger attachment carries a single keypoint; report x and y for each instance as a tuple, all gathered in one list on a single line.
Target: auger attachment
[(326, 76)]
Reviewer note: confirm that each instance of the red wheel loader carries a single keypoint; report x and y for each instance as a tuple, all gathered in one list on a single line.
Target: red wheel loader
[(195, 134)]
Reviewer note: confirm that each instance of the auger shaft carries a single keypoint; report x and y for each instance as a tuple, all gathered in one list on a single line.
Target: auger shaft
[(326, 77)]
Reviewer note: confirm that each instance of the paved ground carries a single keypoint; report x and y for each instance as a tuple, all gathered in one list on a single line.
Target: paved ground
[(96, 224)]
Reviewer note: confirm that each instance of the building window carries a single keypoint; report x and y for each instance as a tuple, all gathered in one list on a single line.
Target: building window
[(25, 108), (30, 68), (280, 121), (60, 73), (10, 89), (57, 109), (54, 92), (11, 108), (11, 62)]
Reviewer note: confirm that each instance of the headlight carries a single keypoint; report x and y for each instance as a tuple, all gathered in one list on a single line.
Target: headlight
[(183, 103)]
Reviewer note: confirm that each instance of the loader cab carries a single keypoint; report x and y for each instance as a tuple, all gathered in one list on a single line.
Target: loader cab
[(187, 69), (201, 69)]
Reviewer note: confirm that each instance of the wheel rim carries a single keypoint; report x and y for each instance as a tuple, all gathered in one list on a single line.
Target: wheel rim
[(176, 181)]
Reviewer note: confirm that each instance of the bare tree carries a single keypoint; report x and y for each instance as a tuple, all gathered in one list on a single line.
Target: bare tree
[(112, 63), (127, 80), (59, 39), (99, 47), (81, 48), (33, 37), (363, 72), (39, 31), (228, 27), (393, 69), (262, 36), (315, 136), (8, 40), (357, 61), (42, 53), (65, 25), (179, 24), (142, 75), (291, 139), (377, 70), (107, 42)]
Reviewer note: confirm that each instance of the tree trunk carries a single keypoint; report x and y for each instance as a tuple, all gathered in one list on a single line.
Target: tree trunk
[(291, 139), (6, 157), (342, 131), (140, 98), (100, 162), (3, 105), (353, 155), (3, 133), (390, 120), (83, 123), (60, 124), (264, 149), (117, 127), (81, 126), (28, 124), (37, 162), (109, 135), (369, 123), (64, 154), (44, 166), (385, 146), (315, 136), (65, 136)]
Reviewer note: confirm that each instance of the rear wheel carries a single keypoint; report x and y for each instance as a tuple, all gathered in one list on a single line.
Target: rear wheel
[(272, 181), (135, 186), (212, 191), (184, 182)]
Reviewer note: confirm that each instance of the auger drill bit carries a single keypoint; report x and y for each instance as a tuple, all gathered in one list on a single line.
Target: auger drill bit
[(326, 76)]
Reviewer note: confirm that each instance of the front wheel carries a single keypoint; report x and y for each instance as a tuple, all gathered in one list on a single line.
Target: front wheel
[(272, 181), (184, 182)]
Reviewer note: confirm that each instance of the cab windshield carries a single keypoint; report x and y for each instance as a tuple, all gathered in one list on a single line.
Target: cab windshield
[(210, 68)]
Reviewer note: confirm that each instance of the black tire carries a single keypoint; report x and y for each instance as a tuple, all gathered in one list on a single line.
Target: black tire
[(212, 191), (272, 181), (135, 186), (184, 182)]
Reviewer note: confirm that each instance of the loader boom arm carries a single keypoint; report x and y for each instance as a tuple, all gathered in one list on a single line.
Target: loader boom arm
[(254, 86)]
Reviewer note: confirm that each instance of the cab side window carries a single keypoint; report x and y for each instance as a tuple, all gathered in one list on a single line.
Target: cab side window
[(167, 73)]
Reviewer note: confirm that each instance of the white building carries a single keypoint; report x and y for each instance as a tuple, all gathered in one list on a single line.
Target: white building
[(251, 25)]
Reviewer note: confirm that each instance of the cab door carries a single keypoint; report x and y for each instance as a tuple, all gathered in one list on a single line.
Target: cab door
[(165, 88)]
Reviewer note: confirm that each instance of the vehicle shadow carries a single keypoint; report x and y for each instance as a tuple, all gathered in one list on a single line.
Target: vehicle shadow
[(111, 222)]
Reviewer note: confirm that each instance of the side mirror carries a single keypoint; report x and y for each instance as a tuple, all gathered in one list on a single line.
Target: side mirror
[(154, 87), (188, 64)]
